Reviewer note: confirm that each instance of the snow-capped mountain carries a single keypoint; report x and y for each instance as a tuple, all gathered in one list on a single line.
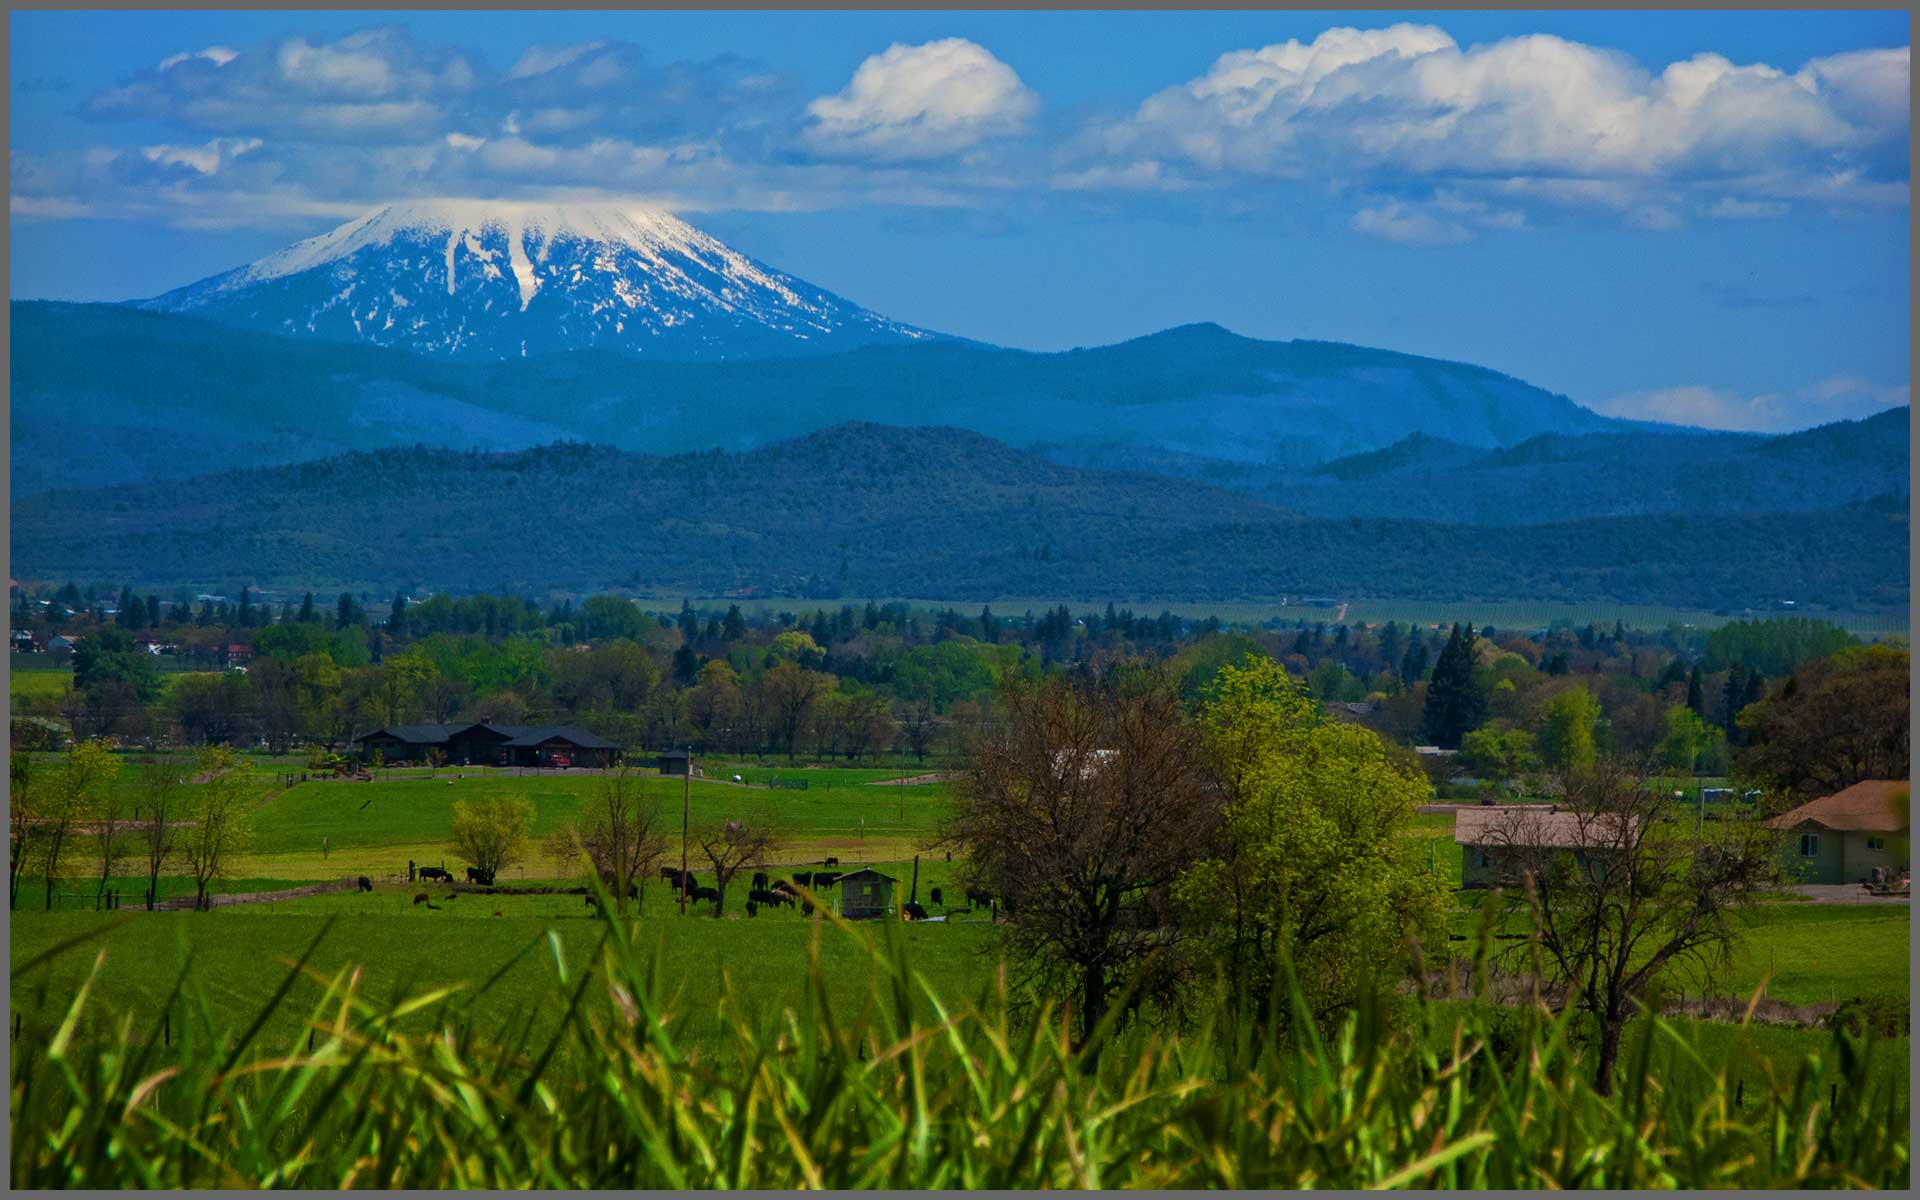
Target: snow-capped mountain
[(480, 279)]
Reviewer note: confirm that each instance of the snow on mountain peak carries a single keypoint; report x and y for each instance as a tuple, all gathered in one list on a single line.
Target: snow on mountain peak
[(481, 278)]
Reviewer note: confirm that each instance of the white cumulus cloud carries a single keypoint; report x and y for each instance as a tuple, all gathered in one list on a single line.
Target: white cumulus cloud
[(1407, 103), (1842, 398), (919, 102)]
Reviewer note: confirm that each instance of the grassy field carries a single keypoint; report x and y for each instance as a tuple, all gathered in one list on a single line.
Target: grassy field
[(55, 682), (373, 828), (1810, 953), (243, 954)]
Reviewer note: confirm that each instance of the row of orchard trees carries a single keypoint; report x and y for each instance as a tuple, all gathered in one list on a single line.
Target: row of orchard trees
[(81, 822), (1151, 848)]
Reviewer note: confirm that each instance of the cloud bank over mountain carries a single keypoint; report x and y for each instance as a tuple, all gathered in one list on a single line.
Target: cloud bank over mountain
[(1429, 142)]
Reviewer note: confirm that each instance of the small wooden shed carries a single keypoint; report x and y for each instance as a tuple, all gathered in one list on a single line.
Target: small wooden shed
[(866, 894), (674, 762)]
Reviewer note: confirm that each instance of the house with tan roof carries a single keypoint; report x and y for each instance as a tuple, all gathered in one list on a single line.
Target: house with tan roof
[(1841, 838), (1497, 840)]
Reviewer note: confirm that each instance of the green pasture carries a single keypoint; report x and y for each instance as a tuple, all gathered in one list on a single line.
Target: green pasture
[(54, 682), (506, 967), (417, 810), (242, 955)]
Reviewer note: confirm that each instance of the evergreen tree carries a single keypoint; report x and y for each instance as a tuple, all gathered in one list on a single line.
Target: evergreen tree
[(1455, 703), (735, 626), (397, 617), (686, 664), (1413, 666), (689, 624), (1391, 647), (1696, 698), (988, 626), (245, 618), (1732, 698), (306, 609), (345, 613), (131, 610)]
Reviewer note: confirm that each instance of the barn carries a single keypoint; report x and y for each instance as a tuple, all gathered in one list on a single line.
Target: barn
[(866, 894), (1841, 838)]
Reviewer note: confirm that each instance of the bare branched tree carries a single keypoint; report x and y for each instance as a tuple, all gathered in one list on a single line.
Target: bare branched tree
[(162, 798), (22, 820), (624, 839), (733, 845), (1079, 811), (1618, 892)]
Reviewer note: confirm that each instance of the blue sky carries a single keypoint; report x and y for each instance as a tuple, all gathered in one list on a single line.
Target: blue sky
[(1698, 217)]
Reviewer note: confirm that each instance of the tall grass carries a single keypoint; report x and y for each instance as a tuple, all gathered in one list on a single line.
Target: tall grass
[(905, 1088)]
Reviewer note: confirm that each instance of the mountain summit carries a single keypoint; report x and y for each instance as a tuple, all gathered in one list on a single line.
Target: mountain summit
[(489, 280)]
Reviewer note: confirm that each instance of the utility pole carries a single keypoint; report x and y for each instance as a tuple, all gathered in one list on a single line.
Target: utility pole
[(686, 805)]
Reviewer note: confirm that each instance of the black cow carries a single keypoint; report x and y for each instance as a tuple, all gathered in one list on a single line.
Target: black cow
[(760, 880), (935, 896), (825, 879), (420, 898), (768, 898), (476, 875), (436, 873), (806, 908), (833, 862), (592, 900), (784, 887), (704, 893), (979, 897), (803, 878), (364, 884), (914, 911)]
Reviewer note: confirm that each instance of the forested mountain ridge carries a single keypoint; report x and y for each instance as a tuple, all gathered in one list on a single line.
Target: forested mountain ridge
[(1563, 477), (875, 510), (162, 395)]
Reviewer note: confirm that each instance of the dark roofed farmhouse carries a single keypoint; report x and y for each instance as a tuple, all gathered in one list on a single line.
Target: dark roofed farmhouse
[(482, 743)]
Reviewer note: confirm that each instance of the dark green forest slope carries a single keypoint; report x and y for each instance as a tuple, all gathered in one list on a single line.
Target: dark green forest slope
[(877, 510)]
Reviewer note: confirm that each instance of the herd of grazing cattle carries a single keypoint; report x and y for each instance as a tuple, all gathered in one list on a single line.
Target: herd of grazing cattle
[(763, 892)]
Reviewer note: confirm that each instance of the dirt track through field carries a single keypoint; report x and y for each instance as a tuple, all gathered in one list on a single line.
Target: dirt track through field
[(221, 901)]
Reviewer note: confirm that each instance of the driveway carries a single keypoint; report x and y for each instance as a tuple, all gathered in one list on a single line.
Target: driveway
[(1845, 893)]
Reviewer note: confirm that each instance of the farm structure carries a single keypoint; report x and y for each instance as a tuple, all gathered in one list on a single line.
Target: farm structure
[(675, 762), (1844, 837), (482, 743), (866, 894), (1492, 837)]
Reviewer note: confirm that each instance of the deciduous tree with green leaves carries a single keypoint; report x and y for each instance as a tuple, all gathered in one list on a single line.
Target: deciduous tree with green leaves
[(1567, 730), (222, 821), (1311, 869), (491, 832)]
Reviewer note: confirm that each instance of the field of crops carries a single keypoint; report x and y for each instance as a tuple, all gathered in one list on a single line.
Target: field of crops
[(1499, 614)]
